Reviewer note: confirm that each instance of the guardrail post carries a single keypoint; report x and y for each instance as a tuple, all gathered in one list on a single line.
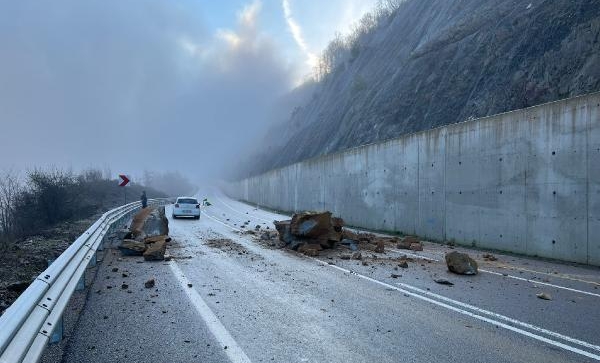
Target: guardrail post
[(93, 260), (81, 283), (57, 333)]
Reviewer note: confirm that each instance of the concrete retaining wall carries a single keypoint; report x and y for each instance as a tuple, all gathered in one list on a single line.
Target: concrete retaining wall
[(526, 181)]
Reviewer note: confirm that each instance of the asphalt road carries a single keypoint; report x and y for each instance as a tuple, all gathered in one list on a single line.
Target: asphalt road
[(227, 298)]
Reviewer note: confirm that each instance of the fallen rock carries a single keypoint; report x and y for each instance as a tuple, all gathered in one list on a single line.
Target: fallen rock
[(311, 252), (157, 238), (122, 234), (309, 246), (131, 247), (544, 296), (443, 282), (312, 228), (461, 263), (335, 233), (357, 256), (351, 244), (380, 247), (489, 257), (285, 231), (311, 225), (407, 241), (150, 221), (155, 251), (150, 283), (310, 249), (403, 264), (418, 246)]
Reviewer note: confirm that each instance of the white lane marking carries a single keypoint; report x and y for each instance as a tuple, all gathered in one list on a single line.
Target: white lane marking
[(540, 283), (506, 267), (476, 316), (535, 282), (230, 347), (442, 253), (482, 270), (237, 211), (502, 317), (414, 255), (223, 223), (473, 315)]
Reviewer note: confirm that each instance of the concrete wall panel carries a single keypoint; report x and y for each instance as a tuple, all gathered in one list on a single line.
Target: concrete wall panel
[(593, 191), (431, 162), (526, 181)]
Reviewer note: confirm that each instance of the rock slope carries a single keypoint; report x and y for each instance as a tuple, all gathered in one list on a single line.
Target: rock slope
[(437, 62)]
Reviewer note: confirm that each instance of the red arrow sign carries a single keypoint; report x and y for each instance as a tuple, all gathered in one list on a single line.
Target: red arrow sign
[(125, 180)]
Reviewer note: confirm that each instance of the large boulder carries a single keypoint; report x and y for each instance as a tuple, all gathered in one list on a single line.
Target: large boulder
[(310, 228), (313, 225), (149, 221), (130, 247), (285, 231), (461, 263), (156, 247)]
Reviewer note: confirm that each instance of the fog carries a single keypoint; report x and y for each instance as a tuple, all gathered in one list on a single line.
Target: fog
[(133, 85)]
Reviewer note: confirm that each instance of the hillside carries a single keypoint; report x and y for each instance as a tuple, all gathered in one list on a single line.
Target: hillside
[(427, 63)]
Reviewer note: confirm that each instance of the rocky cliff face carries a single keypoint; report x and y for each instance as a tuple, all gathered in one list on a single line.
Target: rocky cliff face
[(437, 62)]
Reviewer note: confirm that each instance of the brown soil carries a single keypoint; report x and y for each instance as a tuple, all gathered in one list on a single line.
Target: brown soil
[(23, 261), (226, 245)]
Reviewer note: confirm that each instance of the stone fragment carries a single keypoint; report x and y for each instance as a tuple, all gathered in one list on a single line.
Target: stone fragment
[(544, 296), (443, 282), (150, 283), (131, 247), (461, 263)]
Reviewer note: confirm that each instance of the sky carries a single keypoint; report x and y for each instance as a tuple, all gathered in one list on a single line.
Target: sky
[(180, 85)]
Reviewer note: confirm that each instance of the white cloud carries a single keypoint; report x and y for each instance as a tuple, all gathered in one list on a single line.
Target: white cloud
[(248, 17), (116, 82)]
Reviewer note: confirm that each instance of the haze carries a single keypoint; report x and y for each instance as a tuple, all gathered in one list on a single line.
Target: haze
[(133, 85)]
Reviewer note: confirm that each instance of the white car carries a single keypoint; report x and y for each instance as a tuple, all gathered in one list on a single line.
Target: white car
[(186, 207)]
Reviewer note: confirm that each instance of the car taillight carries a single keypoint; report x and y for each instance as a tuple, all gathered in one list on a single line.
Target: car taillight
[(176, 205), (197, 206)]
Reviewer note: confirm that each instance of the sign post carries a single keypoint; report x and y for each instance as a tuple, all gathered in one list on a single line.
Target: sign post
[(124, 181)]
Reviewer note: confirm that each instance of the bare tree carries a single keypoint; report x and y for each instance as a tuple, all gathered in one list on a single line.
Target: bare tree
[(10, 189), (342, 49)]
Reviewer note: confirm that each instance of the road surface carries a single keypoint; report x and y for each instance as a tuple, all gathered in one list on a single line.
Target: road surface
[(225, 297)]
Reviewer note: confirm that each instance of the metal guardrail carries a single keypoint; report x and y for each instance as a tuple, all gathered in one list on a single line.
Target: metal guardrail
[(27, 325)]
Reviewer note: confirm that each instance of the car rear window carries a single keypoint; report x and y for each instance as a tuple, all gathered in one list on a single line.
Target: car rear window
[(187, 201)]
